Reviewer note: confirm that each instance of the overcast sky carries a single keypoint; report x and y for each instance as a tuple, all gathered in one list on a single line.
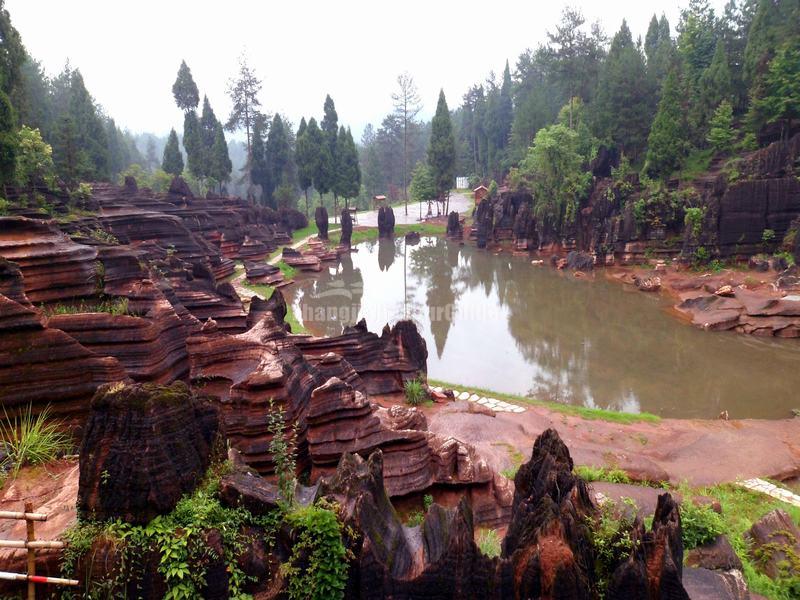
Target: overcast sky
[(129, 52)]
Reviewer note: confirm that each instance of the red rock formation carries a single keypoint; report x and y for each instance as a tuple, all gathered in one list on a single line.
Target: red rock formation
[(144, 447), (54, 267), (321, 219), (304, 262), (263, 273), (42, 366), (384, 363)]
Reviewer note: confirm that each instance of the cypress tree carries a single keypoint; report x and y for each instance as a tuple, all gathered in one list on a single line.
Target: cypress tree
[(185, 90), (8, 141), (721, 135), (714, 88), (348, 172), (172, 162), (220, 166), (304, 156), (442, 148), (776, 99), (278, 154), (667, 143), (259, 173), (192, 144), (89, 129), (321, 154), (329, 127)]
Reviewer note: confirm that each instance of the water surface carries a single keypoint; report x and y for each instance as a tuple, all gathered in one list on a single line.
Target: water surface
[(497, 322)]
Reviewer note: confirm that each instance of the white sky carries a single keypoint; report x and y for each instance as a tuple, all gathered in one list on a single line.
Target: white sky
[(129, 52)]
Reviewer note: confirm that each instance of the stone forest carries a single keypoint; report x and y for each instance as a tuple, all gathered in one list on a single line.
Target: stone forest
[(541, 343)]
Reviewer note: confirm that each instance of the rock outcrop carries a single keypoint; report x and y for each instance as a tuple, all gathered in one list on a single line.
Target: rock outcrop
[(455, 231), (347, 228), (321, 219), (144, 447), (386, 222), (775, 545)]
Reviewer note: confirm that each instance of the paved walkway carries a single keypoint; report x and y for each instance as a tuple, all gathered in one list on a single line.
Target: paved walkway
[(493, 403), (765, 487), (369, 218)]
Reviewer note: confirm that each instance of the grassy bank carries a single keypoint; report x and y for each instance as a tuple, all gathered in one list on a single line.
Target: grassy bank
[(567, 409), (368, 234)]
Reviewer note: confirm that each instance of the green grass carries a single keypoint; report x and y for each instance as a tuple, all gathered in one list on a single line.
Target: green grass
[(597, 414), (266, 291), (288, 271), (112, 306), (489, 542), (612, 475), (368, 234), (695, 165), (740, 509), (30, 439)]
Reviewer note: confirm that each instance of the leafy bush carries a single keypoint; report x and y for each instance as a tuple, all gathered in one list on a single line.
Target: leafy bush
[(415, 392), (767, 236), (317, 568), (489, 543), (29, 439), (694, 218), (701, 256), (284, 454), (3, 207), (700, 524), (611, 539), (112, 306), (415, 518)]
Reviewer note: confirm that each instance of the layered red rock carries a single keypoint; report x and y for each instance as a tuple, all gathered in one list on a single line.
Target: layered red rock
[(144, 447), (54, 267), (383, 362)]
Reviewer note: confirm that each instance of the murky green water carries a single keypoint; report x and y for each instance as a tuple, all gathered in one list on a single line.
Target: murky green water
[(497, 322)]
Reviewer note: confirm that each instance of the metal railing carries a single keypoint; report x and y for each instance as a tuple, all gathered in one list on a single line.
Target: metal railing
[(31, 544)]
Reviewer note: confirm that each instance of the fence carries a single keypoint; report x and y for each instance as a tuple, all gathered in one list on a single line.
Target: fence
[(31, 544)]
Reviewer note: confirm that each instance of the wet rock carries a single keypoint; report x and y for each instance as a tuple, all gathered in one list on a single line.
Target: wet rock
[(253, 492), (303, 261), (454, 229), (718, 555), (347, 228), (321, 219), (144, 447), (705, 584), (647, 284), (386, 222), (758, 264), (412, 238), (579, 261), (654, 568), (775, 545)]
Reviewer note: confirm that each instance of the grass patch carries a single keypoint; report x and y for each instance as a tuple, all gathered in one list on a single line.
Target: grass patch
[(597, 414), (695, 164), (288, 271), (368, 234), (30, 439), (415, 392), (740, 509), (266, 291), (612, 475), (517, 458), (489, 542), (112, 306)]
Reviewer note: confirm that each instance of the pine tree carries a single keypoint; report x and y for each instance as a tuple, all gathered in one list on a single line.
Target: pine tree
[(406, 108), (622, 111), (72, 162), (187, 97), (220, 166), (207, 136), (172, 162), (442, 149), (667, 143), (243, 92), (89, 129), (714, 88), (777, 98), (721, 134)]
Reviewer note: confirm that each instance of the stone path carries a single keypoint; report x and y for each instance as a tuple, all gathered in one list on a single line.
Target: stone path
[(493, 403), (765, 487), (369, 218)]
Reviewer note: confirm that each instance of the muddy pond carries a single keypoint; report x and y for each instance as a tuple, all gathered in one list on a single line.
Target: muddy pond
[(497, 322)]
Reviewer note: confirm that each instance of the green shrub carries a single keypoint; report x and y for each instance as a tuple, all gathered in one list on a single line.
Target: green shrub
[(694, 218), (610, 534), (415, 392), (415, 518), (489, 543), (768, 235), (284, 454), (700, 524), (3, 207), (317, 568), (112, 306), (30, 439), (701, 256)]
